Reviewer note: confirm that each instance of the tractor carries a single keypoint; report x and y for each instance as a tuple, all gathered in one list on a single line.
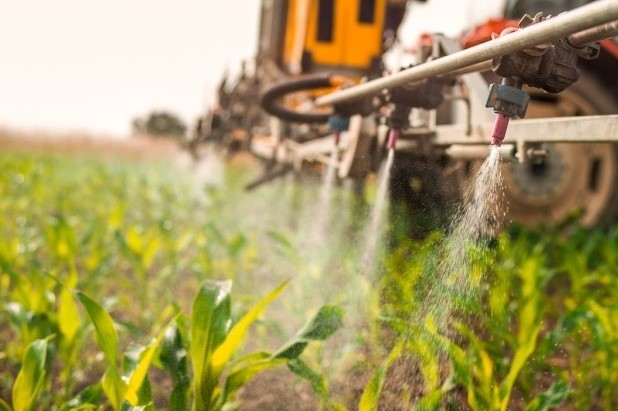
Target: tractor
[(550, 66)]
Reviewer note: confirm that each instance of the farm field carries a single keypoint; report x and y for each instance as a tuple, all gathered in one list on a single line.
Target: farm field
[(132, 285)]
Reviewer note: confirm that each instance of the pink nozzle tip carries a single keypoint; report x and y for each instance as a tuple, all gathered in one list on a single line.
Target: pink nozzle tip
[(337, 138), (500, 126), (392, 139)]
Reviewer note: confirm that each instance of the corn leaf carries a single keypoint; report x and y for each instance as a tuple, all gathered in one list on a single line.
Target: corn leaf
[(31, 376), (210, 322), (430, 401), (89, 398), (106, 334), (107, 339), (138, 376), (371, 395), (245, 370), (317, 381), (320, 327), (114, 387), (173, 357), (127, 407), (529, 325), (68, 315), (553, 397), (4, 406), (224, 352)]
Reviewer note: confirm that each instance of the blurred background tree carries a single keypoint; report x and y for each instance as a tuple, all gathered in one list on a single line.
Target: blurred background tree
[(159, 124)]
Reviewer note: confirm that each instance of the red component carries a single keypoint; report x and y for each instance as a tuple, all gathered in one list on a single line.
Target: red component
[(482, 33), (611, 46), (500, 126), (426, 39), (392, 138)]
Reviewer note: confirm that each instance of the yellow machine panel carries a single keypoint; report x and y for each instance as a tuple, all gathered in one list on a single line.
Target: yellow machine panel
[(343, 34)]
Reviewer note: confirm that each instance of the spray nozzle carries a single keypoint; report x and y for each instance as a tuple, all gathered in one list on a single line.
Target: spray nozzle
[(507, 100), (338, 124), (392, 138), (500, 126)]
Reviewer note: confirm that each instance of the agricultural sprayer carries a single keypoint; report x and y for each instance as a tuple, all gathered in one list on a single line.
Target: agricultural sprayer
[(539, 83)]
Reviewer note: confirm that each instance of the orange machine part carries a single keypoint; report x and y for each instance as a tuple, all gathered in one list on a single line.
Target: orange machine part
[(482, 33)]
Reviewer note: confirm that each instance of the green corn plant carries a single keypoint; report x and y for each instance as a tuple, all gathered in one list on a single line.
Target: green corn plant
[(31, 378), (489, 387), (29, 307), (217, 374), (71, 329), (140, 248), (371, 394), (489, 366), (123, 389)]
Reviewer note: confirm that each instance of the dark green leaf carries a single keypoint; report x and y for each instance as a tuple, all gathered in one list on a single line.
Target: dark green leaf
[(4, 406), (328, 320), (317, 381), (553, 397), (91, 395)]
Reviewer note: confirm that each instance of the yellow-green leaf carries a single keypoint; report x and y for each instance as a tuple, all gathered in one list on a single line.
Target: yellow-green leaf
[(210, 322), (141, 370), (68, 315), (224, 352), (371, 395), (114, 387), (106, 334), (31, 376)]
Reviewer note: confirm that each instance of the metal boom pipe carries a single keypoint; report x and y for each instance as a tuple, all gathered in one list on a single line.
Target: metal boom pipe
[(594, 34), (582, 18)]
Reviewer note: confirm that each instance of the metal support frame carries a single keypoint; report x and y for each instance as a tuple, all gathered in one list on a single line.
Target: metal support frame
[(588, 23), (580, 129)]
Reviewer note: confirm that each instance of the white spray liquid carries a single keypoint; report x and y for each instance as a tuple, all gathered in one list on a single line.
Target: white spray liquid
[(323, 207), (469, 230), (376, 223)]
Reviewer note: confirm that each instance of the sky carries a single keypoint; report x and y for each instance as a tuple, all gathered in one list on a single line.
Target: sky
[(93, 66)]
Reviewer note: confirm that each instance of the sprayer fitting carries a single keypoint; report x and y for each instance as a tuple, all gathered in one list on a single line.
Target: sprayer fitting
[(392, 138), (507, 100)]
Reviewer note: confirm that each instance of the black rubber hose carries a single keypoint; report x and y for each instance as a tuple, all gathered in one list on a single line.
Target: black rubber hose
[(274, 93)]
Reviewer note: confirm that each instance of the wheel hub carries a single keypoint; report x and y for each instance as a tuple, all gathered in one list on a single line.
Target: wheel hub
[(541, 178)]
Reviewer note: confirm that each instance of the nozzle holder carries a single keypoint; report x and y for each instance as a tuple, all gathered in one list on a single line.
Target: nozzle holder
[(508, 100), (427, 94), (552, 66), (338, 123)]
